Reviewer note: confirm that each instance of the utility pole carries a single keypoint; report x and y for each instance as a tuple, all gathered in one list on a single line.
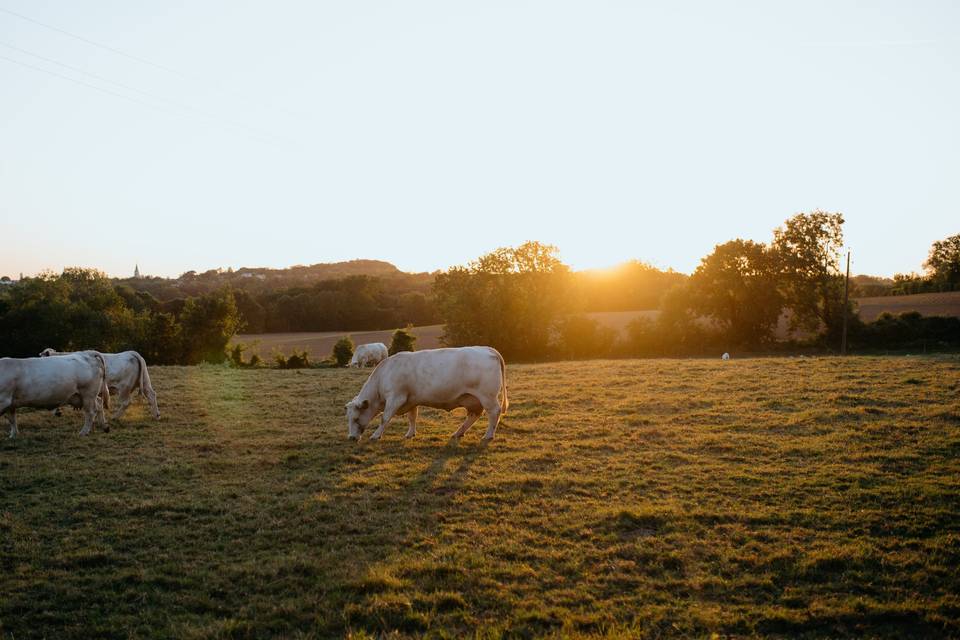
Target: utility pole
[(846, 299)]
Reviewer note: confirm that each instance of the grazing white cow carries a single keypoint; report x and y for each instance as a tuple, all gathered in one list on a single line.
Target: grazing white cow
[(369, 354), (725, 356), (469, 377), (126, 373), (78, 379)]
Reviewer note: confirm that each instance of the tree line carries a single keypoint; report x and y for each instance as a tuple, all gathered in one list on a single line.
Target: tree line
[(744, 295), (83, 309), (523, 300)]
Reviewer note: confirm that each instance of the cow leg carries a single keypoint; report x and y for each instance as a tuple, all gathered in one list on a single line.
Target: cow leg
[(467, 423), (12, 419), (393, 405), (412, 420), (122, 404), (91, 409), (493, 415)]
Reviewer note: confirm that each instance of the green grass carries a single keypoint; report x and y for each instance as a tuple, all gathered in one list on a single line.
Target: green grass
[(644, 498)]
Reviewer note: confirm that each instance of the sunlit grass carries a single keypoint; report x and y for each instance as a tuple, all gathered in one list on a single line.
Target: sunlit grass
[(621, 498)]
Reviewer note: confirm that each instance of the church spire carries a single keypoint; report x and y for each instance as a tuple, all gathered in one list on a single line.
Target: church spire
[(136, 271)]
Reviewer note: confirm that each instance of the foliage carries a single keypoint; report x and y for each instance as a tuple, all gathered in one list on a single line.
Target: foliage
[(510, 299), (296, 360), (943, 263), (633, 285), (343, 351), (775, 497), (581, 337), (736, 286), (402, 340), (83, 309), (906, 331), (808, 247)]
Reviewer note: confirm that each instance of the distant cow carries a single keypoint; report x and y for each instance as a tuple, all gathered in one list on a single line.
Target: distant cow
[(78, 379), (469, 377), (369, 354), (126, 373)]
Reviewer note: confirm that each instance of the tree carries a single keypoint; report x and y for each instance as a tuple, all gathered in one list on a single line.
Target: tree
[(510, 299), (943, 263), (736, 286), (403, 340), (343, 351), (808, 247), (208, 322)]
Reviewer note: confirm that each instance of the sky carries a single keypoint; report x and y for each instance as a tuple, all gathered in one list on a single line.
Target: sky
[(210, 134)]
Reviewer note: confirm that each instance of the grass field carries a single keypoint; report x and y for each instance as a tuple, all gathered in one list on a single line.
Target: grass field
[(792, 497)]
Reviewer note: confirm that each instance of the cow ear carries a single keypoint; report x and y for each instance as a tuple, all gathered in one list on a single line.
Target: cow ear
[(363, 405)]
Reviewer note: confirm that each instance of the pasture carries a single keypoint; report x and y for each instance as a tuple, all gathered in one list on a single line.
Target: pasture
[(629, 498)]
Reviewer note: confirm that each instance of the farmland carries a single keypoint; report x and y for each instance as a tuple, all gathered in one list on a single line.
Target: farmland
[(628, 498), (319, 344)]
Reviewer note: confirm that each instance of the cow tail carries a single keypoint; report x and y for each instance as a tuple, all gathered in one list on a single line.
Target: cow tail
[(504, 404), (104, 387), (144, 375)]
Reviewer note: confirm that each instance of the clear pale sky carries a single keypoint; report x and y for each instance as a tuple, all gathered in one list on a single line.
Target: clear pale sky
[(428, 133)]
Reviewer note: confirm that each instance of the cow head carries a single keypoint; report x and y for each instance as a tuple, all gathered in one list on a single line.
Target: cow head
[(359, 415), (48, 352)]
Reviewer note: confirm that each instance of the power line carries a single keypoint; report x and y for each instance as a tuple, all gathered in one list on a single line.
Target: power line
[(94, 43), (150, 63), (206, 114), (259, 136)]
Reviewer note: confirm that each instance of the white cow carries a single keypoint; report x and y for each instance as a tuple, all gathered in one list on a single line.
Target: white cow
[(369, 354), (469, 377), (78, 379), (126, 373)]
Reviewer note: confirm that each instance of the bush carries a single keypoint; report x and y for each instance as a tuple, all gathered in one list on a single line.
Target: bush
[(343, 351), (403, 340), (296, 360)]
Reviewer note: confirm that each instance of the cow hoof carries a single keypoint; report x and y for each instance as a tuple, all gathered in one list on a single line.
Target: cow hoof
[(374, 438), (83, 433)]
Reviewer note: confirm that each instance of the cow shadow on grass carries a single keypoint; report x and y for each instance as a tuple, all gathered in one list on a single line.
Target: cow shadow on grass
[(402, 575)]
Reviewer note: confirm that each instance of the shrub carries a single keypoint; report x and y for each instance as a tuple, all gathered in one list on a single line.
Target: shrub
[(296, 360), (343, 351), (403, 340)]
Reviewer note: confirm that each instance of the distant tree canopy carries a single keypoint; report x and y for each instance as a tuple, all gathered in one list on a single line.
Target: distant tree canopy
[(83, 309), (737, 287), (631, 286), (510, 298), (942, 270), (943, 263)]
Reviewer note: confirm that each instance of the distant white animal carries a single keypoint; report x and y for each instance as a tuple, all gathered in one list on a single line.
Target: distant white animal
[(78, 379), (725, 356), (469, 377), (369, 354), (126, 373)]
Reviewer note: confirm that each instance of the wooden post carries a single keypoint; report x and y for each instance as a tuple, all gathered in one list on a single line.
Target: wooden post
[(846, 301)]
